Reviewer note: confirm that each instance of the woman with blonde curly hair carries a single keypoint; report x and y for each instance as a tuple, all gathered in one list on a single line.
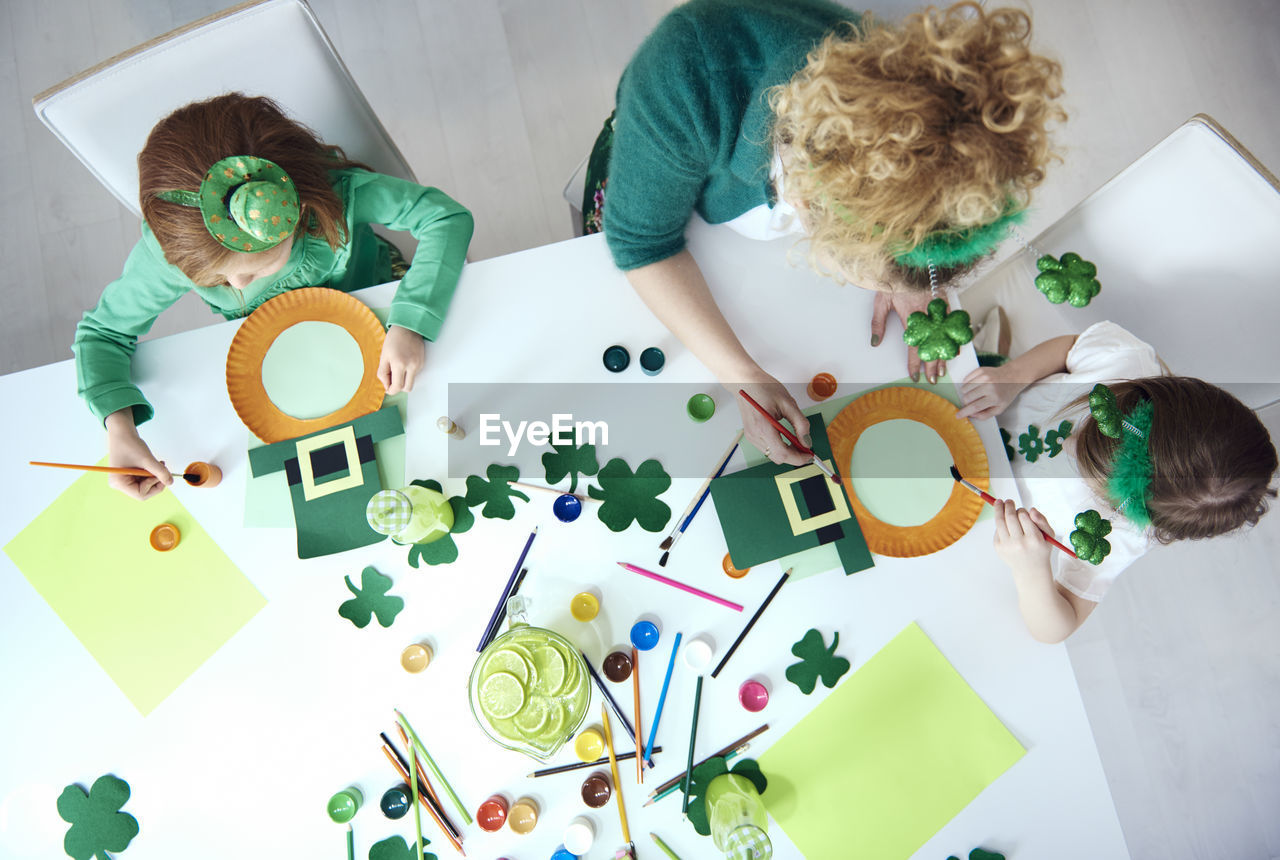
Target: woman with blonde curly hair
[(893, 150)]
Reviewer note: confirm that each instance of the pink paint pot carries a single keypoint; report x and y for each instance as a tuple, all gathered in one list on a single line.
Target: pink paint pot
[(753, 696)]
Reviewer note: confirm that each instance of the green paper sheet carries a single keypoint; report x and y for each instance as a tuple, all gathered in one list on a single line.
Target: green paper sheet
[(888, 758), (901, 472), (149, 618)]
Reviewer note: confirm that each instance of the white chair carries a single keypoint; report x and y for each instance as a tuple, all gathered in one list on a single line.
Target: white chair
[(104, 114)]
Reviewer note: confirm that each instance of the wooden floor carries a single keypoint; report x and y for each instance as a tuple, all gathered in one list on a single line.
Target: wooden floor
[(496, 101)]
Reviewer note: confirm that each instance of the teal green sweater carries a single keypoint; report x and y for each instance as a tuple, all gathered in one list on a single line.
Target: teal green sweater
[(693, 123), (107, 335)]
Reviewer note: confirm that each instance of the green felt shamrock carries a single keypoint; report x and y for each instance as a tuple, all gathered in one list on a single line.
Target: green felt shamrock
[(816, 659), (980, 854), (1006, 437), (701, 778), (1072, 279), (1089, 540), (1030, 445), (97, 824), (627, 496), (395, 848), (443, 550), (371, 599), (496, 493), (938, 334), (1106, 411), (570, 460), (1053, 439)]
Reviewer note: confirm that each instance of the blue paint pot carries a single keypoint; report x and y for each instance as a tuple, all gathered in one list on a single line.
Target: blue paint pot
[(567, 508), (616, 358), (644, 635)]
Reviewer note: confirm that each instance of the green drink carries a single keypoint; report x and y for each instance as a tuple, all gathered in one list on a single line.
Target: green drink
[(529, 689), (410, 514), (738, 818)]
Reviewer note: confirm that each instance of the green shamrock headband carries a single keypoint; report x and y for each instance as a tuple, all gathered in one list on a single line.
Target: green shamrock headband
[(948, 248), (1130, 481), (249, 204)]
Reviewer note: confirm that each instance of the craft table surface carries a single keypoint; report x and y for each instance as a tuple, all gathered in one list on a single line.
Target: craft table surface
[(240, 759)]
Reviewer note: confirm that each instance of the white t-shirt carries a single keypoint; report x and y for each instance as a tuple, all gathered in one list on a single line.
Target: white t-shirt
[(1046, 472)]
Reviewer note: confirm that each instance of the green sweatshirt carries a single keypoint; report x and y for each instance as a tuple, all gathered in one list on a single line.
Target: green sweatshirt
[(107, 335), (693, 124)]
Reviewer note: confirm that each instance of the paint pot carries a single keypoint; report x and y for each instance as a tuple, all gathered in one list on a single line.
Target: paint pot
[(644, 635), (596, 790), (698, 653), (344, 805), (415, 658), (563, 853), (589, 745), (567, 508), (395, 802), (731, 571), (652, 361), (165, 537), (202, 474), (617, 666), (446, 425), (700, 408), (523, 816), (492, 814), (584, 606), (822, 386), (579, 835), (753, 696), (616, 358)]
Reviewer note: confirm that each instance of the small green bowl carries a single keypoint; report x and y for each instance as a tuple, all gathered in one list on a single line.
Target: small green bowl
[(700, 408), (344, 805)]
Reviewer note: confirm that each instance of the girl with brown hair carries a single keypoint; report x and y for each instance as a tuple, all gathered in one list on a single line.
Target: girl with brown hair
[(1157, 458), (241, 203)]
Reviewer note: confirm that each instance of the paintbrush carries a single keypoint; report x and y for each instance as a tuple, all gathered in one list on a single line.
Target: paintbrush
[(698, 498), (992, 500), (189, 477), (792, 438)]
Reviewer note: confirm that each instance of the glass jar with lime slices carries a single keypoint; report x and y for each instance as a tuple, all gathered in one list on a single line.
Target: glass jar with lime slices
[(529, 689)]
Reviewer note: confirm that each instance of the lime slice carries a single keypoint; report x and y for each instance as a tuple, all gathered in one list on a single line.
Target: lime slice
[(551, 669), (555, 721), (501, 695), (533, 717), (519, 647), (509, 661)]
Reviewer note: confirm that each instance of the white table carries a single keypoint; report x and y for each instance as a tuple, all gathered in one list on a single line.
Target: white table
[(241, 758)]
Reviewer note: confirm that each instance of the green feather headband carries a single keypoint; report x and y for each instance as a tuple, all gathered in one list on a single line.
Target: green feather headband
[(1130, 481), (948, 248)]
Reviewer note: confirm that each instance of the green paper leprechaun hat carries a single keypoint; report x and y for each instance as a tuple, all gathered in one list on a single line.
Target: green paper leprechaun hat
[(249, 204)]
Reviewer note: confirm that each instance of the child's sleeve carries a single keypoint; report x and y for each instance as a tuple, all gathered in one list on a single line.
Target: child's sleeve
[(107, 336), (1105, 351), (443, 228)]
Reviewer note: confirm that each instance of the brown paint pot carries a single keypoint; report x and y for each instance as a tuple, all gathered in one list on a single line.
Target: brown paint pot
[(596, 790), (617, 666), (200, 474)]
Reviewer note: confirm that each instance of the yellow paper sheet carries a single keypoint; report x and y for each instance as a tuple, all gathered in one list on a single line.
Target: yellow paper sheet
[(149, 618), (888, 758)]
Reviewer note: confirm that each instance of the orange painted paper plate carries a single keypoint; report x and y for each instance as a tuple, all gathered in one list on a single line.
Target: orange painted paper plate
[(962, 507), (249, 348)]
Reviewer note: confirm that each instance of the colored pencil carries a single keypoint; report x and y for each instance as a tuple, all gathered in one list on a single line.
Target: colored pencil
[(693, 739), (581, 765), (613, 767), (635, 695), (351, 843), (666, 849), (725, 750), (696, 502), (422, 777), (417, 813), (113, 470), (515, 589), (613, 703), (991, 500), (791, 437), (662, 697), (425, 790), (422, 797), (492, 626), (737, 607), (466, 816), (754, 618)]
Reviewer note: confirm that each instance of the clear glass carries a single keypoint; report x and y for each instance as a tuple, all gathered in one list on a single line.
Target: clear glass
[(734, 809), (431, 519)]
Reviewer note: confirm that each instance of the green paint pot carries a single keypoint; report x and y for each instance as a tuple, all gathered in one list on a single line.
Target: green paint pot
[(700, 407), (344, 805), (652, 361), (616, 358)]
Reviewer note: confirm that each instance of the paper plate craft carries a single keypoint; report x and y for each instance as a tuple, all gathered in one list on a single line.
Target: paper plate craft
[(962, 507), (444, 550), (1071, 279), (701, 778), (395, 848), (371, 599), (494, 495), (250, 345), (332, 475), (939, 333), (816, 661), (1089, 539), (770, 511), (97, 824), (629, 497)]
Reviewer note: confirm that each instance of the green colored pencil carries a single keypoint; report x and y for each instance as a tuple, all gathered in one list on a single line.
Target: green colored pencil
[(693, 739), (426, 756), (417, 812), (666, 849)]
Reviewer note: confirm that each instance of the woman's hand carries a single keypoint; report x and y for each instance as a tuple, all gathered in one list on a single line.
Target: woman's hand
[(1019, 541), (904, 303), (988, 391), (126, 448), (403, 354), (771, 394)]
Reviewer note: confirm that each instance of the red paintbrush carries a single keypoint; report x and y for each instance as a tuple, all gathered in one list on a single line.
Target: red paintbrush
[(991, 500), (791, 437)]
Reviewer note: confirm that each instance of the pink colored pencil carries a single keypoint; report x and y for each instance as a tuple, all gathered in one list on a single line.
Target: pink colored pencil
[(680, 585)]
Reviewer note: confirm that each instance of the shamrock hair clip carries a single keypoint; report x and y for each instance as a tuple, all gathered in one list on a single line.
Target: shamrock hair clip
[(1131, 469), (1071, 279), (938, 334), (1089, 539)]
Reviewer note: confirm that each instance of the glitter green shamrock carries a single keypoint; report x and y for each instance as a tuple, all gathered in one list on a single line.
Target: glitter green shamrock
[(1006, 437), (816, 660), (1053, 439), (1106, 411), (709, 770), (938, 334), (1030, 445), (496, 493), (629, 496), (371, 599), (572, 460), (1089, 540), (1071, 279), (97, 824), (442, 550)]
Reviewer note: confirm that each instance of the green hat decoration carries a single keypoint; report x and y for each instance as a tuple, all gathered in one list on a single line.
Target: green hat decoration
[(1131, 469), (249, 204), (949, 248)]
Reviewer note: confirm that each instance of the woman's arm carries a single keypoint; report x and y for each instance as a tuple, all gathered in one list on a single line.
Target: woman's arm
[(988, 391)]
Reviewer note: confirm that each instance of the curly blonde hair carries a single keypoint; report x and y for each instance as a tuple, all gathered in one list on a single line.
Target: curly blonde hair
[(893, 133)]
